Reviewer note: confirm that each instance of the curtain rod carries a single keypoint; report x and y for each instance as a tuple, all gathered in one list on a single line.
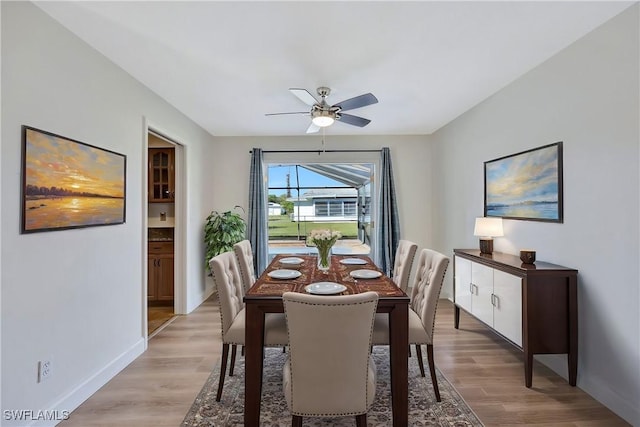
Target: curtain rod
[(318, 151)]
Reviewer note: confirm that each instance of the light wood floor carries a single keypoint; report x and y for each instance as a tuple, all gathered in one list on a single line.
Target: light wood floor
[(157, 389)]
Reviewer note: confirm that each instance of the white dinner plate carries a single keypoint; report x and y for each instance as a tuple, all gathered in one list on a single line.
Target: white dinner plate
[(353, 261), (325, 288), (291, 261), (365, 274), (284, 274)]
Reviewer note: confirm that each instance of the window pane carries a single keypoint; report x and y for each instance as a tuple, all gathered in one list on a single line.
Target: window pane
[(321, 209), (335, 208), (314, 196), (349, 208)]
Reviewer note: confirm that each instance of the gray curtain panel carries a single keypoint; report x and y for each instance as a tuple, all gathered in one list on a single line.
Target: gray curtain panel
[(389, 230), (257, 226)]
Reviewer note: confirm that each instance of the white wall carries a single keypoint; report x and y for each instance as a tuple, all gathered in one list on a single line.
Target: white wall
[(76, 297), (586, 96)]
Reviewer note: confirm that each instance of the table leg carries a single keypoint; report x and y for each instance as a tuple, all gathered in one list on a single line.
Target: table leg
[(399, 353), (254, 355)]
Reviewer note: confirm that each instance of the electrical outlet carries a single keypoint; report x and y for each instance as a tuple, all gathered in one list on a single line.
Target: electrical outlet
[(44, 370)]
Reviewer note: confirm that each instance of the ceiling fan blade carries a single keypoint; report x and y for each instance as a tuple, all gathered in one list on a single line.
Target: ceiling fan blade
[(353, 120), (313, 128), (304, 96), (279, 114), (357, 102)]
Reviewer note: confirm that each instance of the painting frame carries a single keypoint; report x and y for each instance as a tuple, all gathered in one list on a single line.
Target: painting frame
[(527, 185), (68, 184)]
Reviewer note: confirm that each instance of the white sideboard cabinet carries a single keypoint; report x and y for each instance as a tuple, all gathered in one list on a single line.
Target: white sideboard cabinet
[(534, 306)]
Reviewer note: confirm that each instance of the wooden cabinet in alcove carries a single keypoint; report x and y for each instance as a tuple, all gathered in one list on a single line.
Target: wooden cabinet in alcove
[(161, 175), (160, 273)]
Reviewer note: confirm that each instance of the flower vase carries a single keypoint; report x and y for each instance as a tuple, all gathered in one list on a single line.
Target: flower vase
[(324, 259)]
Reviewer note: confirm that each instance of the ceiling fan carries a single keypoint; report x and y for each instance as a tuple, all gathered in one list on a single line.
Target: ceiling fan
[(323, 115)]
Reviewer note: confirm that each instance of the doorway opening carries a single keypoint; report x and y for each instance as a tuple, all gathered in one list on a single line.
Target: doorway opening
[(163, 231)]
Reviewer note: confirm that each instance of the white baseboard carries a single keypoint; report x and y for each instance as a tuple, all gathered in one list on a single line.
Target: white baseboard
[(620, 405), (617, 403), (194, 303), (86, 389)]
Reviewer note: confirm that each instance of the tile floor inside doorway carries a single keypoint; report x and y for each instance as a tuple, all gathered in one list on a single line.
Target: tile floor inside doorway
[(158, 316)]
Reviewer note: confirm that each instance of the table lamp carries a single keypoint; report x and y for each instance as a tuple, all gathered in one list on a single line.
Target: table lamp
[(487, 229)]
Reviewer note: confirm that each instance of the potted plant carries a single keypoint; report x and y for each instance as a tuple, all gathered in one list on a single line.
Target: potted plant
[(221, 232)]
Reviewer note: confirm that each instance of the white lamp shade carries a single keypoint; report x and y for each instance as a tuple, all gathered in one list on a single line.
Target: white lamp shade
[(488, 227)]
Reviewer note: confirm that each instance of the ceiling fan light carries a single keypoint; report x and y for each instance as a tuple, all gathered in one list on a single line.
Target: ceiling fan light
[(323, 121), (322, 117)]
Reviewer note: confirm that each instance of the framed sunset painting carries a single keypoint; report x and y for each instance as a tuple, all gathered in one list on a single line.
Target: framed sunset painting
[(526, 185), (69, 184)]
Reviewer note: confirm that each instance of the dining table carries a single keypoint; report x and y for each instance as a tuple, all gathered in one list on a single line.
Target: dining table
[(265, 296)]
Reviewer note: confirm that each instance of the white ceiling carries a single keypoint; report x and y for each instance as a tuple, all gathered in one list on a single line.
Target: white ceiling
[(225, 64)]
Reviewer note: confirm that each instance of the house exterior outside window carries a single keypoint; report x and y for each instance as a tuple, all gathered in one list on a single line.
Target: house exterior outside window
[(326, 205), (275, 209)]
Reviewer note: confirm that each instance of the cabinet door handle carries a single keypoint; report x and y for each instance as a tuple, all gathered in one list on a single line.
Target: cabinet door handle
[(473, 289), (495, 300)]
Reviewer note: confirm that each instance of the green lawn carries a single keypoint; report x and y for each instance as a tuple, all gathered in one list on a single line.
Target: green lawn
[(281, 227)]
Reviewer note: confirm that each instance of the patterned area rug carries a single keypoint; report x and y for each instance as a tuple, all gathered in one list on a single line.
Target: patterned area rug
[(423, 408)]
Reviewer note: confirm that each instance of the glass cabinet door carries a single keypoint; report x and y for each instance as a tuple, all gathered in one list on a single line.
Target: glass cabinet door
[(161, 175)]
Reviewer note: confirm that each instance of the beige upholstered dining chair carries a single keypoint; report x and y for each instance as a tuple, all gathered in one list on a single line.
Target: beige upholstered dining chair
[(330, 371), (226, 276), (244, 254), (405, 254), (427, 284)]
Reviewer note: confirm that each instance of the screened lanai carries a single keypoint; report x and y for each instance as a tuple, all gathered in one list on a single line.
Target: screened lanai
[(334, 196)]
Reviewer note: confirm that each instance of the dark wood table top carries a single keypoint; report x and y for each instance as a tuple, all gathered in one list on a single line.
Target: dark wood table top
[(268, 287)]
